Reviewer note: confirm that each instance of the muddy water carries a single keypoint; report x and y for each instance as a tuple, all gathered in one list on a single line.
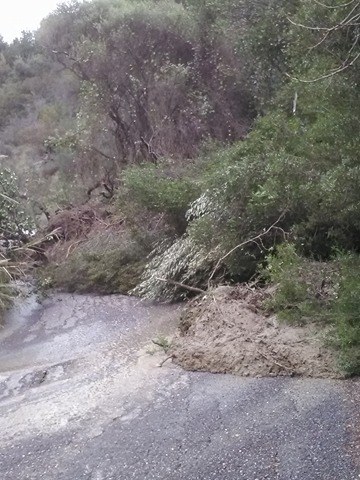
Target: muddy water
[(71, 355)]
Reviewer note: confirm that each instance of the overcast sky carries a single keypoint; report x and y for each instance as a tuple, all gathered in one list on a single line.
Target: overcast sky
[(18, 15)]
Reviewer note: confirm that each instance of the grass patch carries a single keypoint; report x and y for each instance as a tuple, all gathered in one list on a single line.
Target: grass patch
[(162, 342)]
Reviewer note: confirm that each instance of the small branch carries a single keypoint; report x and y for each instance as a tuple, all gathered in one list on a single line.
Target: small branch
[(328, 75), (165, 360), (6, 197), (322, 40), (345, 22), (271, 359), (71, 246), (181, 285), (242, 244), (153, 156), (316, 29), (96, 150), (295, 103), (336, 6)]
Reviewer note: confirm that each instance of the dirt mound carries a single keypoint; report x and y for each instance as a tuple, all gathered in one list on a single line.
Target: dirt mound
[(228, 332)]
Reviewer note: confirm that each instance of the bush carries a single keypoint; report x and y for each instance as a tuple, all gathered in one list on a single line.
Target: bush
[(15, 223), (159, 189), (319, 291), (107, 263), (305, 289), (181, 261), (346, 314)]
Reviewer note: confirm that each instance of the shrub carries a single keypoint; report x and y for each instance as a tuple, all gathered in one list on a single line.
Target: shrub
[(305, 289), (346, 313), (159, 189), (15, 223), (181, 261), (329, 292), (106, 263)]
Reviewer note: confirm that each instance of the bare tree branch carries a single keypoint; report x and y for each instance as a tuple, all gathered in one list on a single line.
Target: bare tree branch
[(242, 244), (334, 6), (181, 285), (328, 75), (96, 150), (350, 20)]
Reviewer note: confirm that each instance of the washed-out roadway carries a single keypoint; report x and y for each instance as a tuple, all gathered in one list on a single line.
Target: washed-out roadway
[(82, 396)]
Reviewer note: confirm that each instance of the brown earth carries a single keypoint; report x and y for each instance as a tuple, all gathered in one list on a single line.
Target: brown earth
[(227, 331)]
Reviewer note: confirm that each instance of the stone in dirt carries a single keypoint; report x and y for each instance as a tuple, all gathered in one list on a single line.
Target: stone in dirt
[(227, 331)]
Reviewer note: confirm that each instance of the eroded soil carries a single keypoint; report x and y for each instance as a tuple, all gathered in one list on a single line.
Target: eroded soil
[(228, 332)]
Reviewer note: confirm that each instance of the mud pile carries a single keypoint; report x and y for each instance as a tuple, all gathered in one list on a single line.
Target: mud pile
[(227, 331)]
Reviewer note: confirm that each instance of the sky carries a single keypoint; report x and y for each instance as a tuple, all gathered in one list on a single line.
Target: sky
[(18, 15)]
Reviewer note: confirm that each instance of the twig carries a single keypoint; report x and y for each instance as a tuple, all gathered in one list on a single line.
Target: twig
[(277, 363), (308, 27), (335, 6), (165, 360), (328, 75), (181, 285), (71, 246), (242, 244), (6, 197), (96, 150)]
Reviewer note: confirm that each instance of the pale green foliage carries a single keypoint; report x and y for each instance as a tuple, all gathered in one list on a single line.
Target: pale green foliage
[(15, 223), (181, 261), (7, 293), (153, 188), (162, 342)]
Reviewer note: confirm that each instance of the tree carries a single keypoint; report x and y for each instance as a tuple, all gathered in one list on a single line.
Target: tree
[(153, 77)]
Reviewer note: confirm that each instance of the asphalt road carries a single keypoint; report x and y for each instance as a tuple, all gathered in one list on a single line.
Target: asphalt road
[(82, 397)]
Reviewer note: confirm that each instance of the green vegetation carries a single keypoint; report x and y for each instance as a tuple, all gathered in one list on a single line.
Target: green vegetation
[(328, 292), (15, 227), (225, 134), (15, 222), (7, 293), (109, 262), (304, 288), (346, 315), (162, 342)]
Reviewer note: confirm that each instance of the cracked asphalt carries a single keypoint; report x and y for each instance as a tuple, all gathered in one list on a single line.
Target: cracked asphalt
[(82, 397)]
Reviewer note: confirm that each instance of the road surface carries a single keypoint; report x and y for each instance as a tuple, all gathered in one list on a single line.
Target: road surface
[(82, 397)]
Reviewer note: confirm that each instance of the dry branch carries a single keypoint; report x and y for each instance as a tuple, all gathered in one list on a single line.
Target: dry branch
[(242, 244), (351, 19), (181, 285), (165, 360)]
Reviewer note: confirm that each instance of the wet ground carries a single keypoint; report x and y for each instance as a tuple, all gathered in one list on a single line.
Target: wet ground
[(82, 397)]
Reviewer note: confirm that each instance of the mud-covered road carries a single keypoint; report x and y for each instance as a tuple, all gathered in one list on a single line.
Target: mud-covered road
[(82, 397)]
